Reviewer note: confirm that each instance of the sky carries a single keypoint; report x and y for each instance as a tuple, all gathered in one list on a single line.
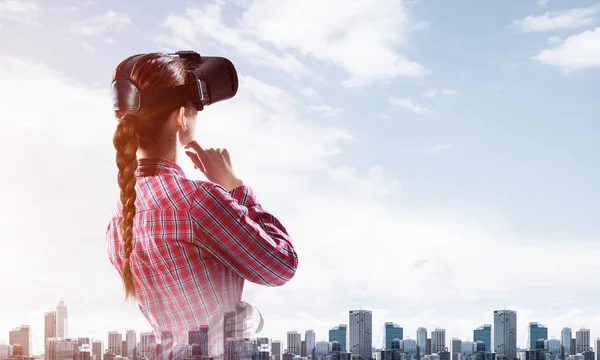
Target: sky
[(432, 160)]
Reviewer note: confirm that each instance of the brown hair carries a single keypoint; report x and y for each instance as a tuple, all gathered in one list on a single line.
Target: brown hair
[(141, 129)]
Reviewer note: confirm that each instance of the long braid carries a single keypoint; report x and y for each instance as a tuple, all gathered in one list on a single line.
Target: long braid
[(126, 141)]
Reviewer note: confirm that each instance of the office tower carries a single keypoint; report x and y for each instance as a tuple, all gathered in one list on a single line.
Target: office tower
[(339, 333), (335, 347), (428, 346), (391, 331), (438, 340), (97, 348), (552, 346), (537, 332), (565, 339), (115, 342), (147, 344), (62, 320), (6, 351), (322, 348), (421, 342), (582, 341), (597, 349), (303, 348), (49, 330), (409, 346), (467, 348), (59, 348), (573, 346), (276, 349), (505, 333), (197, 338), (294, 341), (22, 336), (361, 333), (131, 340), (309, 337), (456, 349), (484, 334), (124, 352)]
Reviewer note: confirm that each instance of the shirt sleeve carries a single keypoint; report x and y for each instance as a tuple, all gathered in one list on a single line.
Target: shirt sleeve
[(234, 228)]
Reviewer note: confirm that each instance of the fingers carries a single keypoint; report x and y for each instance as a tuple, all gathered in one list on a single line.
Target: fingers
[(195, 146), (196, 160), (226, 155)]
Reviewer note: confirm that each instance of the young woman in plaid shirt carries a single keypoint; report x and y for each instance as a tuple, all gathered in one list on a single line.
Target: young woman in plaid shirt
[(185, 247)]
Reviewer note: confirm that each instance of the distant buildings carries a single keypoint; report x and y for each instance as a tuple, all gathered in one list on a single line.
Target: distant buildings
[(505, 333)]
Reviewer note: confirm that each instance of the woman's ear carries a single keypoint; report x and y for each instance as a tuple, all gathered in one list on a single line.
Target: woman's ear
[(181, 119)]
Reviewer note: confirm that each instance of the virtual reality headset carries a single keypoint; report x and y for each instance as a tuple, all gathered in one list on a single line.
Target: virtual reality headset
[(209, 80)]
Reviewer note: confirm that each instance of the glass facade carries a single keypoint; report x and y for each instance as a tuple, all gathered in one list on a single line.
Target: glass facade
[(392, 331), (537, 332), (339, 334), (484, 334)]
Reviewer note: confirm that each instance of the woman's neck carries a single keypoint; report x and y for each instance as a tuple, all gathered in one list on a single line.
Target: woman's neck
[(170, 155)]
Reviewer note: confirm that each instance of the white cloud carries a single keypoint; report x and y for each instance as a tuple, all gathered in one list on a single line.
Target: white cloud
[(332, 36), (326, 110), (554, 40), (21, 11), (554, 20), (439, 147), (579, 51), (433, 92), (100, 24), (409, 105)]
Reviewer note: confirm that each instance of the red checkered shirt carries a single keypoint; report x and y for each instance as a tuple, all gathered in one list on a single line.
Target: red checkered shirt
[(194, 244)]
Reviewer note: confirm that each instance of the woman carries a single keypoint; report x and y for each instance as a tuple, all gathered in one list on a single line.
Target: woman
[(184, 247)]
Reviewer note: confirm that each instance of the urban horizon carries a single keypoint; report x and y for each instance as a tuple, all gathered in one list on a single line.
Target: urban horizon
[(435, 341)]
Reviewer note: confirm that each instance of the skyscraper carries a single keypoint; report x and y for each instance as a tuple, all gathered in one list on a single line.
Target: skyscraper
[(97, 349), (115, 342), (391, 331), (339, 333), (582, 341), (309, 337), (276, 349), (565, 339), (147, 344), (21, 335), (553, 346), (131, 340), (484, 334), (62, 320), (294, 341), (361, 333), (537, 332), (505, 333), (49, 330), (421, 342), (456, 349), (438, 340)]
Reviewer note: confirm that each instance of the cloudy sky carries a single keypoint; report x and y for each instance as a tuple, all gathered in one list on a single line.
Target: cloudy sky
[(433, 160)]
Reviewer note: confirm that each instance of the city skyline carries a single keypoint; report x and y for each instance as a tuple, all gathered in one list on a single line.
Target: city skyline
[(437, 335), (431, 161)]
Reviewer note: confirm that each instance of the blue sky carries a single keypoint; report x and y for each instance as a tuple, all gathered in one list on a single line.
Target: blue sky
[(430, 132)]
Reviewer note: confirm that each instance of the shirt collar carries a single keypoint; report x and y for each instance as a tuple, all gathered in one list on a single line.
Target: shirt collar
[(157, 166)]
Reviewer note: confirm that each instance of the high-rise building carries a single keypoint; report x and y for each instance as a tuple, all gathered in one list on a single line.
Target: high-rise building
[(565, 339), (552, 346), (598, 349), (391, 331), (294, 342), (408, 346), (148, 344), (322, 348), (484, 334), (421, 342), (340, 334), (582, 341), (309, 337), (276, 349), (438, 340), (22, 336), (62, 320), (467, 348), (456, 349), (97, 349), (537, 332), (505, 333), (49, 330), (361, 333), (131, 341), (115, 343)]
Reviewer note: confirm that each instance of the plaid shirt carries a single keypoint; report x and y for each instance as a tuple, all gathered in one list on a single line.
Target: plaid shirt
[(194, 244)]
